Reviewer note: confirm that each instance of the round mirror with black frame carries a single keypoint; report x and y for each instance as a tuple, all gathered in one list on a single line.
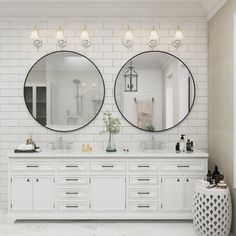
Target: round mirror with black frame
[(154, 91), (64, 91)]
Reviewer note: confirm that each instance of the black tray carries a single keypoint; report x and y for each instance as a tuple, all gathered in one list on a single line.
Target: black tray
[(25, 151)]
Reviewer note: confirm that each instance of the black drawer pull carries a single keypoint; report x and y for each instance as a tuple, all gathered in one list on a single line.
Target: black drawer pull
[(72, 206), (143, 206), (68, 193), (178, 180), (71, 179), (28, 180), (143, 179), (32, 166), (183, 166), (72, 166), (142, 193), (143, 166), (107, 166)]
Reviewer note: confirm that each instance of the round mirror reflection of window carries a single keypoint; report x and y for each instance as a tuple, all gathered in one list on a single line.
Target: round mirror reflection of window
[(154, 91), (64, 91)]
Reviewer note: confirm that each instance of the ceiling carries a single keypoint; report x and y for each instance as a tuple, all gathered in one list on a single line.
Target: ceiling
[(110, 8)]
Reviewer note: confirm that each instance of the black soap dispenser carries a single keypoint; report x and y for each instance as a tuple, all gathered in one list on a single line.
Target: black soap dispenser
[(188, 146), (216, 175)]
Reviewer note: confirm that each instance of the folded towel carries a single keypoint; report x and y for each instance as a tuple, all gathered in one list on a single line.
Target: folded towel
[(26, 147)]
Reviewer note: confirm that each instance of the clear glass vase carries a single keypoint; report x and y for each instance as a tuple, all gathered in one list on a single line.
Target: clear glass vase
[(111, 143)]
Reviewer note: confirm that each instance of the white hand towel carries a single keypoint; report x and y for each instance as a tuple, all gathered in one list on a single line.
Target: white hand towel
[(26, 147)]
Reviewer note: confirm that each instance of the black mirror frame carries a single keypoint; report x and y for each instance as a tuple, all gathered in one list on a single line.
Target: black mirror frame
[(103, 83), (190, 108)]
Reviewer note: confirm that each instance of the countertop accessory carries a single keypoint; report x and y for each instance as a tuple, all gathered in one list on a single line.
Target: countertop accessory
[(212, 211), (222, 185), (112, 126)]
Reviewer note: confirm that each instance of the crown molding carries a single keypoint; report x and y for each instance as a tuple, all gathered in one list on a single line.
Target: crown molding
[(96, 8), (212, 7), (110, 8)]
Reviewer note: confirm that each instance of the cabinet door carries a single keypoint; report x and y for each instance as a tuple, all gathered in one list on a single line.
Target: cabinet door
[(171, 193), (107, 193), (43, 193), (21, 193), (188, 191)]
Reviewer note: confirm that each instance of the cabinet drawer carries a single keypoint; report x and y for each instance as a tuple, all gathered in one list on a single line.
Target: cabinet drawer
[(72, 180), (143, 165), (107, 165), (72, 193), (142, 193), (32, 165), (143, 206), (72, 206), (199, 165), (72, 165), (147, 180)]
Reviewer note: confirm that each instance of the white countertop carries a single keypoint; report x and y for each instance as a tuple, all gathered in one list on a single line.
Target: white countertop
[(118, 154)]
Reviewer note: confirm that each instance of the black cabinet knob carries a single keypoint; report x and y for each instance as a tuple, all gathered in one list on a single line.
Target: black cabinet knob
[(28, 180), (187, 180), (178, 180), (37, 180)]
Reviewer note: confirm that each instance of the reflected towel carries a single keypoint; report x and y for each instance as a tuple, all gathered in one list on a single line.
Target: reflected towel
[(145, 113)]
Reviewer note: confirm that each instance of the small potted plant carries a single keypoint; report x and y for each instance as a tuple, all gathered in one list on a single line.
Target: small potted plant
[(112, 126)]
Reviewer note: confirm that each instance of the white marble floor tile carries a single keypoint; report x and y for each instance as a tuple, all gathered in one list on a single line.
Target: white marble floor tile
[(98, 228)]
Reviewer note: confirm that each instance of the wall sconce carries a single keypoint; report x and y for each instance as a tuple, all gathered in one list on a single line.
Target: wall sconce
[(128, 38), (61, 41), (153, 38), (176, 43), (85, 39), (36, 39)]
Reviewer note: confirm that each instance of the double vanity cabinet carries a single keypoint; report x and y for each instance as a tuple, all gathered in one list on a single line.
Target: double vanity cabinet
[(103, 186)]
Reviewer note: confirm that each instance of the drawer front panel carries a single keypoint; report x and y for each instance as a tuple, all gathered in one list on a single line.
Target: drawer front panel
[(32, 166), (107, 165), (72, 180), (72, 165), (143, 206), (72, 193), (184, 165), (146, 180), (72, 206), (143, 193), (143, 166)]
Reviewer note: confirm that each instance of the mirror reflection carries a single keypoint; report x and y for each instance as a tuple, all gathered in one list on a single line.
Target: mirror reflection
[(64, 91), (154, 91)]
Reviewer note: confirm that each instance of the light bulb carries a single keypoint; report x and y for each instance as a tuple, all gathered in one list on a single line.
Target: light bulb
[(34, 34), (179, 35), (60, 34)]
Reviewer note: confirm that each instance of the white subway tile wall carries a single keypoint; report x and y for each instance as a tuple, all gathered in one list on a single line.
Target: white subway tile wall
[(17, 55)]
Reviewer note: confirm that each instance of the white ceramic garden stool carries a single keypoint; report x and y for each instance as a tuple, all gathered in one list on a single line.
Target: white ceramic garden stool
[(212, 211)]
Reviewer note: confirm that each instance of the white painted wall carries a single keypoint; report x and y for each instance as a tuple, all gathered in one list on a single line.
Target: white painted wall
[(17, 55)]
